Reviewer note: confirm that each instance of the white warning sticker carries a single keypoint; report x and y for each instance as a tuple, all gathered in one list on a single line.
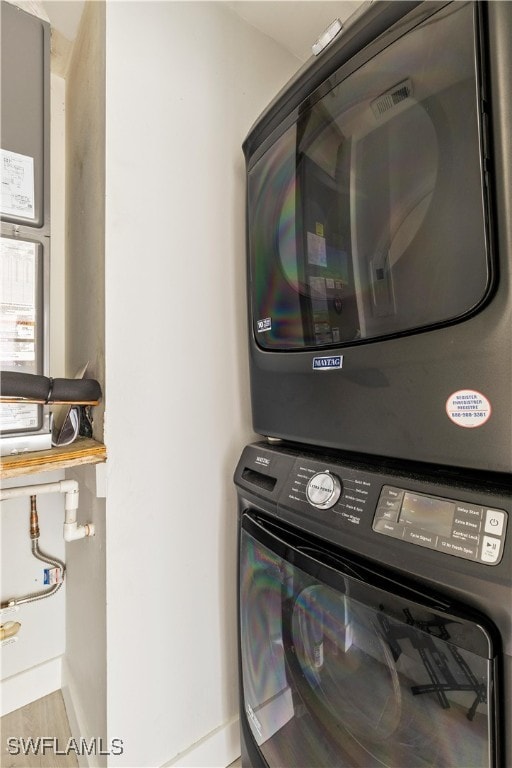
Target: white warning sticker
[(17, 191), (468, 408), (264, 325)]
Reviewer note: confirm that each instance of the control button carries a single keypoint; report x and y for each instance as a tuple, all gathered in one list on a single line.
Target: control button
[(388, 505), (388, 528), (323, 490), (468, 511), (490, 550), (494, 521), (389, 492), (458, 548), (464, 535), (417, 536), (468, 524), (385, 513)]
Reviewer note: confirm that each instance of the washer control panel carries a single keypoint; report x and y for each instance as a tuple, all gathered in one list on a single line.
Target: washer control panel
[(471, 531), (356, 503), (323, 490)]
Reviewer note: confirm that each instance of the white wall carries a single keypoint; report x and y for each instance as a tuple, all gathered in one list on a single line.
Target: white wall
[(84, 672), (85, 200), (184, 83), (84, 668)]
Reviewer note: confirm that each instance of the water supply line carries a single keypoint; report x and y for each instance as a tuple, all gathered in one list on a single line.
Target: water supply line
[(72, 530)]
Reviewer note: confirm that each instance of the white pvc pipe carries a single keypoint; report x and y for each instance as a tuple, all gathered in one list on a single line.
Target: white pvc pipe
[(72, 531), (35, 490)]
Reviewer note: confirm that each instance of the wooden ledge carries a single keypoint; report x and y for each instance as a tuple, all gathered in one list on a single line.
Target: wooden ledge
[(83, 451)]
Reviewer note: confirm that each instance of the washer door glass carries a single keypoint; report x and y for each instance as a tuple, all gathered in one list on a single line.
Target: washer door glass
[(337, 672)]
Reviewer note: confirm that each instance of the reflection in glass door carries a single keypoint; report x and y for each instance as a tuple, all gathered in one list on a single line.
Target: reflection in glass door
[(366, 210), (338, 672)]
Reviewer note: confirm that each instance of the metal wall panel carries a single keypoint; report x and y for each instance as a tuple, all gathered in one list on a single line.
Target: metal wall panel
[(25, 215)]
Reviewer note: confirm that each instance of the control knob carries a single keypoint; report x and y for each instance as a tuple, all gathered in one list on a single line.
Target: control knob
[(323, 490)]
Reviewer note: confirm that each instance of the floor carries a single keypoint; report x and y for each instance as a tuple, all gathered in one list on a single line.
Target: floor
[(42, 717)]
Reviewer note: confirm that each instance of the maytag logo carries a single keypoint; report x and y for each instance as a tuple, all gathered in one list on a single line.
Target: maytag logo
[(263, 461), (328, 363), (264, 325)]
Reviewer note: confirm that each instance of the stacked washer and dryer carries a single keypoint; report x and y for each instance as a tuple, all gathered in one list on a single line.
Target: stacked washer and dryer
[(375, 585)]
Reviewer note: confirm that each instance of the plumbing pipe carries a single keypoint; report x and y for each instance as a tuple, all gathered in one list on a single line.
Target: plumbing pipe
[(72, 531), (61, 486), (33, 596), (34, 535)]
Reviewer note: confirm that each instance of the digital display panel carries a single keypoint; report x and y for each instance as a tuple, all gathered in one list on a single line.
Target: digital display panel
[(428, 513)]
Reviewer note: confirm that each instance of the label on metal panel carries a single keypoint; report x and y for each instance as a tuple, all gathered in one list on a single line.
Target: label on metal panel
[(328, 363)]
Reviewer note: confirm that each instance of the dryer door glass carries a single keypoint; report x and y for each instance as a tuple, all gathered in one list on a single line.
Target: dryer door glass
[(338, 672), (366, 215)]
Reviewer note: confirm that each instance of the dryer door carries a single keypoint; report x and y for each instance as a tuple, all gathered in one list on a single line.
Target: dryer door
[(365, 211), (342, 666)]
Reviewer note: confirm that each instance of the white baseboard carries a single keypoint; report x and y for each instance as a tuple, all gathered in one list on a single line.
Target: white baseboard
[(217, 749), (32, 684)]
